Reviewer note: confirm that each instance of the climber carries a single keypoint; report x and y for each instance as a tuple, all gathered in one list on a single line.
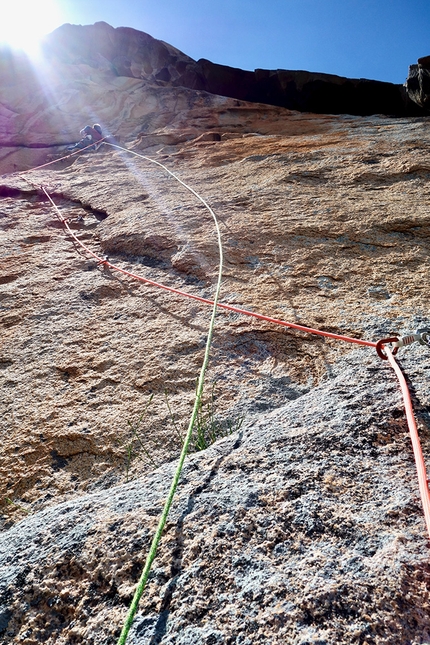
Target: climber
[(91, 135)]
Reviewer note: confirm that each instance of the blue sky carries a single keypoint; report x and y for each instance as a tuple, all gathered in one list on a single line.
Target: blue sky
[(375, 39)]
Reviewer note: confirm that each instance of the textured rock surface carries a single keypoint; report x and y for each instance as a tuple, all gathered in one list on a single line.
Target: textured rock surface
[(132, 53), (304, 528), (305, 91), (325, 225), (114, 76), (418, 82), (42, 112), (125, 51)]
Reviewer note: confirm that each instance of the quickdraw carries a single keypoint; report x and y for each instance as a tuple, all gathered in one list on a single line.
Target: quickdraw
[(422, 336)]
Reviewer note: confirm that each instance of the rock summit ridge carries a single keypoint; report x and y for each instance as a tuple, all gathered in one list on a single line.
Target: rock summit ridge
[(135, 54)]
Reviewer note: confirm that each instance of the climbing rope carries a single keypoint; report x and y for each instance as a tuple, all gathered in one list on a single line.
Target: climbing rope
[(382, 347), (105, 262), (197, 403), (49, 163), (413, 431)]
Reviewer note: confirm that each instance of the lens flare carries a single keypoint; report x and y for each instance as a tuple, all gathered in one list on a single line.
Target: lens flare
[(23, 23)]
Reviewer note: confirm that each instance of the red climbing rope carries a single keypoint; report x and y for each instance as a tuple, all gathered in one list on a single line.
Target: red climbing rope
[(207, 301), (382, 347), (416, 444)]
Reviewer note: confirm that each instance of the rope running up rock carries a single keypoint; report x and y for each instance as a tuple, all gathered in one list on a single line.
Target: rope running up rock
[(382, 346)]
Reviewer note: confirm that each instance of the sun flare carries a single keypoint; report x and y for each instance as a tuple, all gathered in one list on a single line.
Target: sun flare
[(23, 23)]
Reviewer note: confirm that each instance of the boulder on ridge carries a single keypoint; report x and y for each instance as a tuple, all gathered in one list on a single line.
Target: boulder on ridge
[(418, 83)]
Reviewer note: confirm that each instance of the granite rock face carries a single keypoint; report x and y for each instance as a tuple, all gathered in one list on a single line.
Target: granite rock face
[(115, 77), (304, 91), (303, 524), (323, 223), (303, 528), (132, 53), (125, 51), (43, 109)]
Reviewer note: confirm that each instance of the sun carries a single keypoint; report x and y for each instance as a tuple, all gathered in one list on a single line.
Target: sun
[(23, 23)]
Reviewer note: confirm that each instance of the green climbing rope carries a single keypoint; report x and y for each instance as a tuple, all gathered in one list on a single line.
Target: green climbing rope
[(199, 392)]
